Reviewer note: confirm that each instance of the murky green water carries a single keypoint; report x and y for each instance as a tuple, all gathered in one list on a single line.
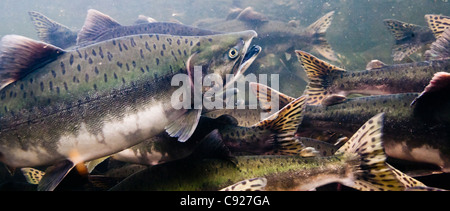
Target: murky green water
[(357, 33)]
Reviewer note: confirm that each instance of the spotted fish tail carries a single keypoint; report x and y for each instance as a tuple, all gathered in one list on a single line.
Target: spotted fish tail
[(441, 48), (284, 124), (318, 30), (438, 24), (264, 95), (406, 43), (52, 32), (318, 73), (372, 173)]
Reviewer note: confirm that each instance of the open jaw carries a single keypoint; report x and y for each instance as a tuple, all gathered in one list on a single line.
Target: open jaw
[(248, 59)]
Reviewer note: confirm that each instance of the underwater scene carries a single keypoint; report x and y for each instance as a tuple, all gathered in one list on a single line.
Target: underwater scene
[(225, 95)]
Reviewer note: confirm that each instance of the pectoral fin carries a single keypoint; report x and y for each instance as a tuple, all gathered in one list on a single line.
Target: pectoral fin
[(183, 127)]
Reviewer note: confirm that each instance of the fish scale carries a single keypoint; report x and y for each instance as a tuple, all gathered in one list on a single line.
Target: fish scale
[(327, 81), (102, 98), (359, 164), (76, 73)]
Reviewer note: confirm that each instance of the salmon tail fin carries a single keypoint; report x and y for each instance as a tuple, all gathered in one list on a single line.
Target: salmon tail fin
[(366, 148), (318, 30), (264, 95), (20, 56), (52, 32), (95, 25), (438, 24), (33, 176), (412, 184), (406, 42), (318, 73), (284, 125), (441, 48)]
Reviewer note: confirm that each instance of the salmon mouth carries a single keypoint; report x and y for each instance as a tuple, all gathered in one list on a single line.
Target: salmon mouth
[(250, 56)]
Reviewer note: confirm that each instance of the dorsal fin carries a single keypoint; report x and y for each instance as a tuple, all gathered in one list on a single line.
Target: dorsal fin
[(438, 24), (95, 25), (20, 55), (375, 64), (441, 48), (142, 19), (317, 72), (233, 13), (250, 15)]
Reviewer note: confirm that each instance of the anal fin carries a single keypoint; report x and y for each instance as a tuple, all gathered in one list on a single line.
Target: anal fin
[(54, 175)]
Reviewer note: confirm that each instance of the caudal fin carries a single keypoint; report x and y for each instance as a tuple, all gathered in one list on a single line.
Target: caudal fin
[(52, 32), (441, 48), (438, 24), (406, 38), (318, 30), (366, 147), (284, 124), (318, 72), (20, 55), (264, 95)]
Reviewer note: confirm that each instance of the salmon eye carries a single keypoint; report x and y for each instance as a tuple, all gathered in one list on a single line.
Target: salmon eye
[(233, 53)]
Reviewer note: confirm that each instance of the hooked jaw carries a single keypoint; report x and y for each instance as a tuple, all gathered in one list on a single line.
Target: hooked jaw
[(248, 59), (250, 54)]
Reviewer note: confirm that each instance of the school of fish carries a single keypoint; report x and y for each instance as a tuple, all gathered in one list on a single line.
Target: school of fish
[(102, 97)]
